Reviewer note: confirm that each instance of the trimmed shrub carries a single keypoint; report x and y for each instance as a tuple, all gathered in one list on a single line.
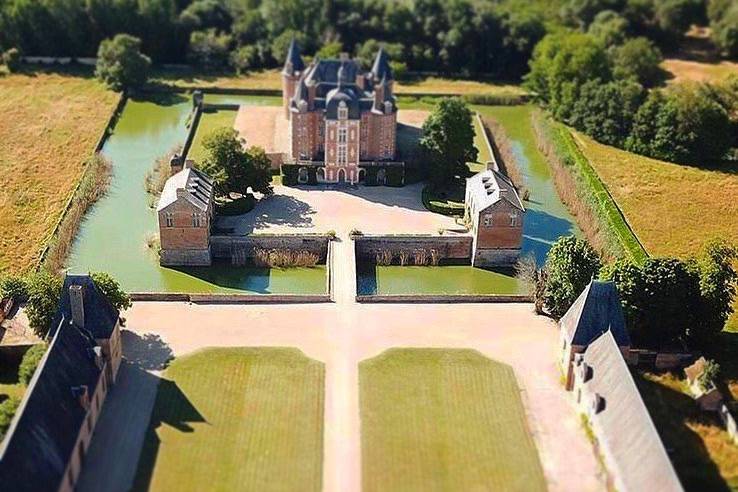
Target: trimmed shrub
[(30, 362)]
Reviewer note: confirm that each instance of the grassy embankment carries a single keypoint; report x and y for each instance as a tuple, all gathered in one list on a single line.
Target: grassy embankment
[(444, 419), (675, 209), (584, 193), (272, 80), (236, 418), (49, 127)]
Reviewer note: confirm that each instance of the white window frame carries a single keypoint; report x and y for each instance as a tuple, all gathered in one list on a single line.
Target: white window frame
[(487, 220), (514, 219), (169, 219)]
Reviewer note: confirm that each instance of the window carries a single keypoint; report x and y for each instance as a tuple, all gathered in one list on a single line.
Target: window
[(341, 135), (170, 219), (342, 111), (196, 220), (342, 154), (514, 219), (487, 221)]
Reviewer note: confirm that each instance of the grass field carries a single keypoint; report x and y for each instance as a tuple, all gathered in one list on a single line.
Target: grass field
[(209, 121), (236, 419), (442, 419), (49, 126), (696, 71), (272, 80)]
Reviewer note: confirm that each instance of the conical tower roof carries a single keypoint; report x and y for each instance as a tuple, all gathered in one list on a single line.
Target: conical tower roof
[(381, 67), (293, 63)]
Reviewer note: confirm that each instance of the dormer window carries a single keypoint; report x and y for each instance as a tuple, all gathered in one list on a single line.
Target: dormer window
[(387, 107), (342, 111)]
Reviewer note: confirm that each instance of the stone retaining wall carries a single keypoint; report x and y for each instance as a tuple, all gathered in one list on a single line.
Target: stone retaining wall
[(448, 247), (231, 298), (226, 247), (194, 122), (443, 299)]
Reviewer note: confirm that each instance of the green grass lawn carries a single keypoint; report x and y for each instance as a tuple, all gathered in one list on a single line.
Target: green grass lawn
[(236, 419), (209, 121), (444, 419)]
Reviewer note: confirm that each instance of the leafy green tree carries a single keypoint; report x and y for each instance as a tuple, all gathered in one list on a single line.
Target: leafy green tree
[(675, 16), (206, 14), (30, 362), (725, 31), (120, 63), (609, 27), (718, 284), (639, 59), (448, 140), (8, 407), (14, 287), (208, 49), (330, 50), (581, 13), (366, 52), (281, 44), (605, 111), (245, 58), (110, 288), (44, 290), (233, 168), (661, 300), (571, 264)]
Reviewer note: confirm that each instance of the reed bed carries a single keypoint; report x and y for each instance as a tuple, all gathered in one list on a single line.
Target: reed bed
[(94, 184), (417, 257), (284, 258), (157, 177)]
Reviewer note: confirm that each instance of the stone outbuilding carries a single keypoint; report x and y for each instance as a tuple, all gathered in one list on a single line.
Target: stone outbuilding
[(495, 212), (597, 310), (50, 433), (185, 213)]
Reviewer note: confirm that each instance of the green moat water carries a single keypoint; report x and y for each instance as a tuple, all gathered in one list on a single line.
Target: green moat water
[(114, 234)]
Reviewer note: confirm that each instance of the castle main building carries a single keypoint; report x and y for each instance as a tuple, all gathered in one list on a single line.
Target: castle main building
[(342, 121)]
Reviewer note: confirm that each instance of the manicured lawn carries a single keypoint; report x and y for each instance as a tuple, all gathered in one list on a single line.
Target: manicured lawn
[(444, 419), (236, 419), (50, 124), (703, 454), (209, 121), (272, 80)]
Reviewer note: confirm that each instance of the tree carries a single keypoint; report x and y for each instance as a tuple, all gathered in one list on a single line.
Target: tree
[(718, 285), (44, 290), (120, 63), (205, 14), (609, 27), (208, 49), (605, 111), (14, 287), (111, 290), (660, 299), (245, 58), (330, 50), (30, 362), (8, 407), (639, 59), (725, 31), (448, 140), (571, 264), (232, 167)]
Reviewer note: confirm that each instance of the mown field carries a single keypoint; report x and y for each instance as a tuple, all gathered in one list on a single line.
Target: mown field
[(695, 71), (50, 124), (443, 419), (272, 80), (236, 419)]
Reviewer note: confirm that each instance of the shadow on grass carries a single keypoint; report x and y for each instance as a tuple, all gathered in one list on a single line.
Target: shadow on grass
[(671, 411)]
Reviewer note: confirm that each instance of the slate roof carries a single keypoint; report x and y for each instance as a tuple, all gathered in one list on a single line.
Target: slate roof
[(596, 310), (198, 185), (381, 67), (293, 63), (489, 187), (41, 438), (100, 316), (626, 435)]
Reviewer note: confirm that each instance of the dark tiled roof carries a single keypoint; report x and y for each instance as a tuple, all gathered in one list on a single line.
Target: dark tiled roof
[(293, 62), (38, 445), (199, 187), (626, 435), (381, 67), (100, 315), (596, 310), (41, 439)]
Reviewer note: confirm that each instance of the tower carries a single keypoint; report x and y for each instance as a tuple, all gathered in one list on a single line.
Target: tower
[(293, 67)]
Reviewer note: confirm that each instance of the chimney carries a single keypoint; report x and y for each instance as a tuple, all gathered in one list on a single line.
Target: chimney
[(343, 56), (189, 164), (77, 304), (81, 394)]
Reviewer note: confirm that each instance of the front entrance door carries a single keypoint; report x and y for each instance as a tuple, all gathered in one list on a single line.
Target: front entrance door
[(341, 176)]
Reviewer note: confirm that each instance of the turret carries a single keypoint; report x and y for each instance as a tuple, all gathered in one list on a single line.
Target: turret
[(381, 68), (293, 67)]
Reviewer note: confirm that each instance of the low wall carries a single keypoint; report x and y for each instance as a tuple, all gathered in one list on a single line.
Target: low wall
[(194, 122), (662, 361), (228, 247), (231, 298), (495, 257), (443, 299), (448, 247), (11, 355), (185, 257)]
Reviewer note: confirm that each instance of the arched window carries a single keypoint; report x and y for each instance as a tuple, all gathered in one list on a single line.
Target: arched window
[(342, 111)]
